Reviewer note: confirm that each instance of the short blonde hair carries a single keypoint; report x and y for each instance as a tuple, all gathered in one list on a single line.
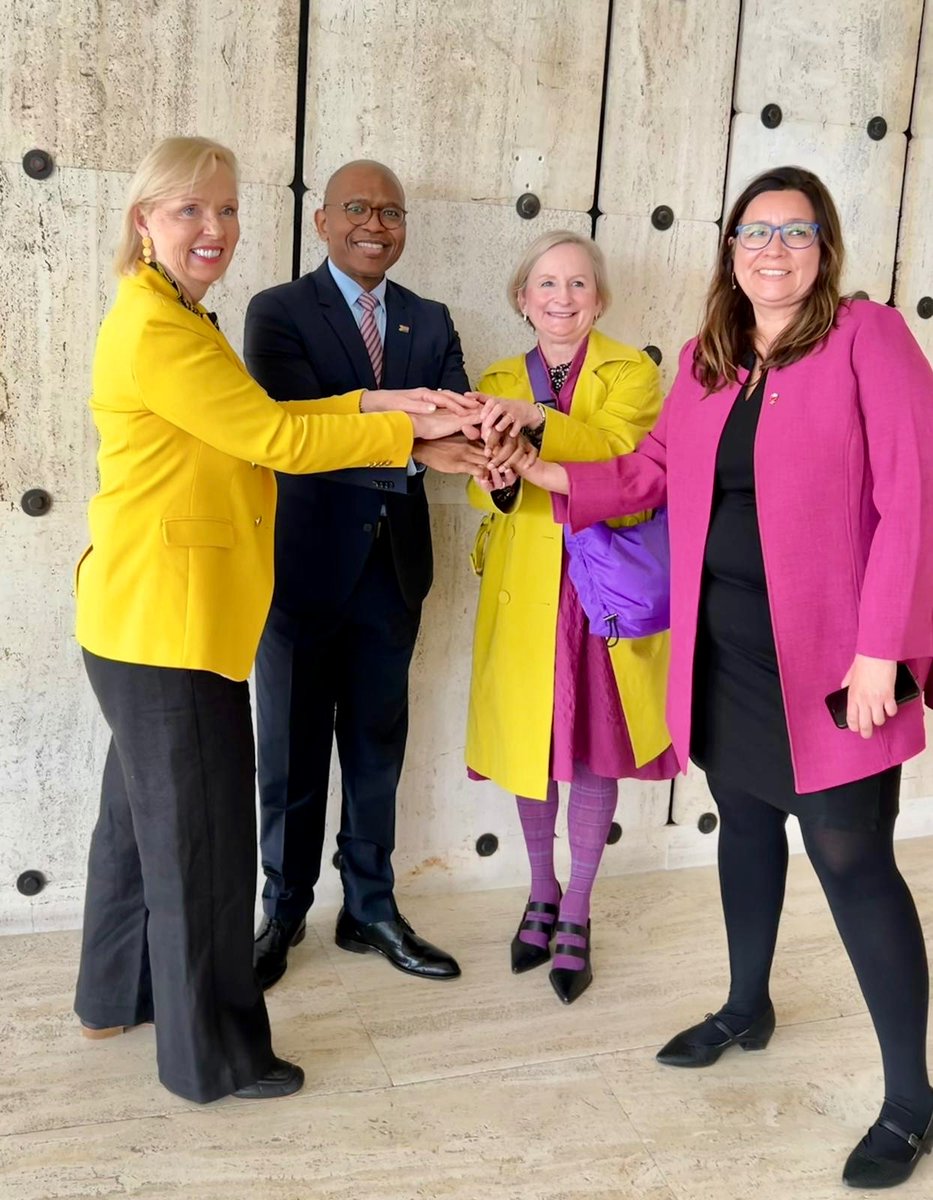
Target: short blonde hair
[(540, 247), (172, 167)]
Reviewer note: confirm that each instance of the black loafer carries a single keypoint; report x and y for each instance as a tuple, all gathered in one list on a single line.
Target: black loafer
[(570, 985), (282, 1079), (270, 949), (680, 1051), (525, 956), (864, 1170), (398, 942)]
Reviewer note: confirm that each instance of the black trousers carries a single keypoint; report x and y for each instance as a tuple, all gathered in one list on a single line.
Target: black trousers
[(345, 675), (168, 922)]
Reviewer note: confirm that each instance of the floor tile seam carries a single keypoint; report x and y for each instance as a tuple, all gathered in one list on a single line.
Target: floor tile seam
[(497, 1070)]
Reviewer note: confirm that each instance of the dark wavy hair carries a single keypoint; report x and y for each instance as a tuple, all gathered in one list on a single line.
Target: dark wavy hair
[(725, 336)]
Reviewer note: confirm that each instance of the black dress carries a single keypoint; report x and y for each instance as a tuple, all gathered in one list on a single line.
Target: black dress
[(739, 728)]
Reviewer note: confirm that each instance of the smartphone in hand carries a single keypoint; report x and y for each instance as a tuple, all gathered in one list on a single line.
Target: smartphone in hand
[(906, 689)]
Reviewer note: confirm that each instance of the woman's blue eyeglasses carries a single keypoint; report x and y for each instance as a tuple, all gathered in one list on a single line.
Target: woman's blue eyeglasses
[(796, 235)]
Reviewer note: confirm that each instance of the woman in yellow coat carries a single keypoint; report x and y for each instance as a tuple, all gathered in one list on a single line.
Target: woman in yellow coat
[(549, 700), (172, 596)]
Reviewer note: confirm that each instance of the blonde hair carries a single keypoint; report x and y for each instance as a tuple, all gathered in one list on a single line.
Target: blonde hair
[(726, 335), (547, 241), (172, 167)]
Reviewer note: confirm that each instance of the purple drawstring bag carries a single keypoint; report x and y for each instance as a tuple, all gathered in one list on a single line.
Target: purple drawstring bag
[(623, 576)]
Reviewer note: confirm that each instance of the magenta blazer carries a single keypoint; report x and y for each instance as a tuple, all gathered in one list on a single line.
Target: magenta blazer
[(844, 486)]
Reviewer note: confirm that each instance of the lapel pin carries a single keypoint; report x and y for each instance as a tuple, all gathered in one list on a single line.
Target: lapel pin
[(404, 329), (773, 398)]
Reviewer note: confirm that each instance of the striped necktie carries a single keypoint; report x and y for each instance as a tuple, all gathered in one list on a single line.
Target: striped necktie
[(370, 331)]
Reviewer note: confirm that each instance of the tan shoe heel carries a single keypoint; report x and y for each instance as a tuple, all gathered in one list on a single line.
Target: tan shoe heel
[(96, 1034)]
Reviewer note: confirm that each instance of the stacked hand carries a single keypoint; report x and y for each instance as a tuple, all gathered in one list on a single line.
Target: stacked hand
[(473, 434)]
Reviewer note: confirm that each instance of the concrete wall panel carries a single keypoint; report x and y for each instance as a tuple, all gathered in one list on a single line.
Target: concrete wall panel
[(921, 117), (836, 63), (487, 100), (96, 84), (661, 52), (659, 279), (914, 280)]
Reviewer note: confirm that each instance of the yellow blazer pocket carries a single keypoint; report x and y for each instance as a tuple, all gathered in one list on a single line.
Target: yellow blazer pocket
[(198, 531), (77, 571), (478, 553)]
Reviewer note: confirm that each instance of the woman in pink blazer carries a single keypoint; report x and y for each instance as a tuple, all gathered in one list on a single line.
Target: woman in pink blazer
[(795, 455)]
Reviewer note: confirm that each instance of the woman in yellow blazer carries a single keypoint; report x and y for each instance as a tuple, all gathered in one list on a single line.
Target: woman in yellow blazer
[(549, 700), (171, 599)]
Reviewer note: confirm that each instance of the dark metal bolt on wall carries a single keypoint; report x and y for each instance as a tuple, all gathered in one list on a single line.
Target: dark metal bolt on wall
[(527, 206), (30, 883), (614, 834), (654, 354), (38, 164), (36, 502), (663, 217), (486, 844), (925, 307), (707, 822), (771, 116), (876, 129)]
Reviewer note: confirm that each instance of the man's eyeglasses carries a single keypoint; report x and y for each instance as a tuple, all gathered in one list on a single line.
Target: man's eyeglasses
[(796, 235), (358, 213)]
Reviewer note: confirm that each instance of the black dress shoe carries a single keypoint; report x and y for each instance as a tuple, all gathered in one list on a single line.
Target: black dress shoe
[(866, 1170), (270, 949), (398, 942), (282, 1079), (681, 1051), (525, 956), (570, 985)]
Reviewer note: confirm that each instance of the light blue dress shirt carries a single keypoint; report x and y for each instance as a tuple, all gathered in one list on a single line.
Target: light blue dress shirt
[(351, 292)]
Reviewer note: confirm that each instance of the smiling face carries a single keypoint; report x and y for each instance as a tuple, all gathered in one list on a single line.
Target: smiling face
[(195, 233), (776, 280), (364, 252), (560, 298)]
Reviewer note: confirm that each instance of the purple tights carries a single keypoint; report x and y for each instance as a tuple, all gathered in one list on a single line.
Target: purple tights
[(589, 814)]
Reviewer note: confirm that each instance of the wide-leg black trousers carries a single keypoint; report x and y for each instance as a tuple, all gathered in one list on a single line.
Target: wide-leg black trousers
[(168, 922)]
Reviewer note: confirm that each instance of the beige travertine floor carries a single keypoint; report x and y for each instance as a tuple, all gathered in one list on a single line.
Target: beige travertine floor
[(482, 1088)]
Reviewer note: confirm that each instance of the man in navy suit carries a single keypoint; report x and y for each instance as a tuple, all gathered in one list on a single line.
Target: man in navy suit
[(353, 563)]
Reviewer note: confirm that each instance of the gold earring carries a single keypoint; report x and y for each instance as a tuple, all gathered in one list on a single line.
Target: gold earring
[(147, 250)]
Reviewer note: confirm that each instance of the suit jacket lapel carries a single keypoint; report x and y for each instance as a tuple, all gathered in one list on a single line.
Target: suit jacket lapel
[(397, 350), (336, 313)]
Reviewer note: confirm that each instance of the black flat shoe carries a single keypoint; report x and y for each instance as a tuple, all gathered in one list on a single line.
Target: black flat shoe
[(865, 1170), (570, 985), (398, 942), (681, 1051), (525, 956), (270, 949), (282, 1079)]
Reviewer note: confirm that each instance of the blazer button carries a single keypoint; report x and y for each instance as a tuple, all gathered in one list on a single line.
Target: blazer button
[(504, 597), (258, 521), (253, 466), (367, 528)]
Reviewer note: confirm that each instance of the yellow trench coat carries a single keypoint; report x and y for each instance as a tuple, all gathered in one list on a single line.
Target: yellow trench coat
[(616, 402)]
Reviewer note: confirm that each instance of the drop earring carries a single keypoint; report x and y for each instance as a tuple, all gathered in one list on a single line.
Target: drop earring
[(525, 318), (147, 250), (733, 280)]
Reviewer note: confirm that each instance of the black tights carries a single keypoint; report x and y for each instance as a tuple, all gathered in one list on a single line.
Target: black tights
[(873, 910)]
